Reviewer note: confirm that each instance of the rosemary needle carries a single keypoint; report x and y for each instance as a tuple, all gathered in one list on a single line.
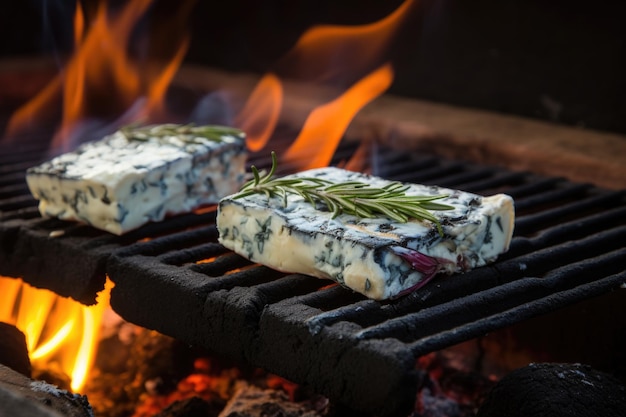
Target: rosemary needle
[(187, 133), (350, 197)]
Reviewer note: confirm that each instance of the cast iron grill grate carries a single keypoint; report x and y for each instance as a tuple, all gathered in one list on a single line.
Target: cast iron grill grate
[(174, 277)]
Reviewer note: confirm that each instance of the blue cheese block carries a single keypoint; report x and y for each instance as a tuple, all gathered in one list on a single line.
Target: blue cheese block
[(123, 181), (377, 257)]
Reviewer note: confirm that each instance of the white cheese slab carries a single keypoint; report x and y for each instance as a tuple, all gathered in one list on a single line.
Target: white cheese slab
[(119, 184), (380, 258)]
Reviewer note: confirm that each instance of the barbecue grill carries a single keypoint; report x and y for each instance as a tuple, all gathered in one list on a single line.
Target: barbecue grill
[(174, 277)]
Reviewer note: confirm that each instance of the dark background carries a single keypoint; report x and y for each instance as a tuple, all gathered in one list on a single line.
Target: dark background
[(562, 61)]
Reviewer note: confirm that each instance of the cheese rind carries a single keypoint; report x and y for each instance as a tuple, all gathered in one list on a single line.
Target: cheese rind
[(366, 255), (119, 184)]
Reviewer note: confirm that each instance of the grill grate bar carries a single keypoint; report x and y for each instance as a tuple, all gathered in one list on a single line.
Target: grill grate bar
[(194, 254), (174, 277), (454, 314), (574, 229), (514, 282), (16, 203), (225, 264), (530, 223), (430, 176), (12, 178), (497, 182), (533, 185), (566, 192), (12, 189), (524, 311)]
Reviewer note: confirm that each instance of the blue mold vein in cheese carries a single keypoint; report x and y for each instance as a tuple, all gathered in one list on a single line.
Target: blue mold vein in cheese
[(366, 255), (116, 184)]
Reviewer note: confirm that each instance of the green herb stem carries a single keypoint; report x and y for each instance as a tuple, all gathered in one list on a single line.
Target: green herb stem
[(350, 197), (188, 133)]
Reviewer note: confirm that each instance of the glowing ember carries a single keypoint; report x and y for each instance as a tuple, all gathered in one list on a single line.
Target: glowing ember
[(209, 385), (57, 330), (104, 80)]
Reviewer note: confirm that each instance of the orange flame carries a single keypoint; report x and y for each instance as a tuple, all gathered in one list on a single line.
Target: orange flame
[(326, 54), (102, 76), (330, 52), (102, 69), (260, 115), (357, 161), (324, 128), (57, 329)]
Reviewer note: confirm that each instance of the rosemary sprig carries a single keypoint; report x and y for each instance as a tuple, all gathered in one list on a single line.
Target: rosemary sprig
[(352, 197), (188, 133)]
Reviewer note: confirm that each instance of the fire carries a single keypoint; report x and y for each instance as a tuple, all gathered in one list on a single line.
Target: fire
[(102, 76), (325, 55), (103, 80), (326, 124), (260, 115), (357, 161), (57, 329)]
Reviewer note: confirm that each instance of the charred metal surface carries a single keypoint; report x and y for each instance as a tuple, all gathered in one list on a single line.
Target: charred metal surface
[(65, 257), (569, 246)]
